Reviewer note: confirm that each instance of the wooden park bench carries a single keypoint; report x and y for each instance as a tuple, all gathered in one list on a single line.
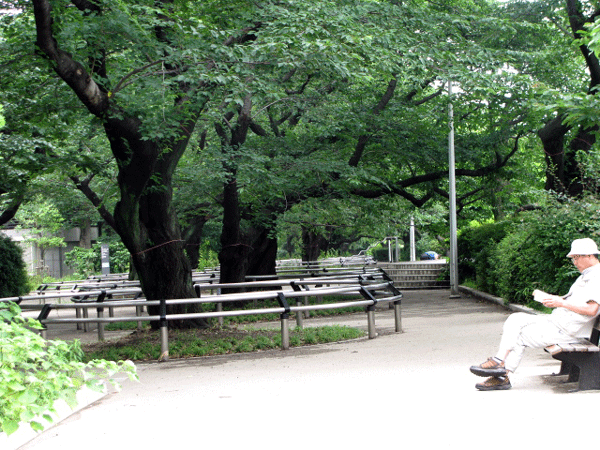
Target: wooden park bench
[(581, 360)]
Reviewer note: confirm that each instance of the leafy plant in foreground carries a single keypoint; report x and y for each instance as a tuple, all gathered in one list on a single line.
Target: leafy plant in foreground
[(35, 373)]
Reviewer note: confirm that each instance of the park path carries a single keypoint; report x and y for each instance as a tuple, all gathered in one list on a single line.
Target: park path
[(412, 388)]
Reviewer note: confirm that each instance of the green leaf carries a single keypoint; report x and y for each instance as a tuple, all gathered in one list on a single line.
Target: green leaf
[(10, 426), (27, 397)]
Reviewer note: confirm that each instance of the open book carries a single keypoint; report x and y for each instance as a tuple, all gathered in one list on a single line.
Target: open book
[(540, 296)]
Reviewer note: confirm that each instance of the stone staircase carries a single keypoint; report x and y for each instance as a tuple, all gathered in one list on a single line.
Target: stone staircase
[(418, 274)]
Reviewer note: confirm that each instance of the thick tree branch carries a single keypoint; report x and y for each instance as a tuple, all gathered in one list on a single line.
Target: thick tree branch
[(578, 21), (399, 188), (72, 72), (11, 210), (364, 138), (84, 187)]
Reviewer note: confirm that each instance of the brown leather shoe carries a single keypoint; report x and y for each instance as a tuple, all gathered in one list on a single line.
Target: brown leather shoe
[(494, 384), (489, 368)]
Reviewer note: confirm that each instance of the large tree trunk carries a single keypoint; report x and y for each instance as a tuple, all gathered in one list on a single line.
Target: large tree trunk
[(235, 249), (263, 258), (563, 174), (146, 220), (235, 245), (312, 244), (552, 136), (193, 237), (144, 216)]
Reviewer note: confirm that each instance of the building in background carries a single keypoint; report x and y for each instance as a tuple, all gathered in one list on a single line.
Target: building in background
[(53, 263)]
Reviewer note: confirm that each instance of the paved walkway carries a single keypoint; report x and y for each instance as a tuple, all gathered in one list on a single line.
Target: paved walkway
[(411, 388)]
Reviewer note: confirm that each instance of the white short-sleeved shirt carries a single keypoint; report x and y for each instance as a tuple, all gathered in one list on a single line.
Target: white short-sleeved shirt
[(585, 289)]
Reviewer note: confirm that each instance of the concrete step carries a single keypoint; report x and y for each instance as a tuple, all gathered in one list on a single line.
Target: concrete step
[(417, 274)]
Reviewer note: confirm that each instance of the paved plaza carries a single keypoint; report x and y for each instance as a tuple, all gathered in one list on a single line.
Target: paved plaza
[(412, 388)]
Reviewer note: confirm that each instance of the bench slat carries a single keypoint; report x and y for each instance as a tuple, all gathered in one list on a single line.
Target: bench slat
[(570, 348), (553, 349), (585, 347)]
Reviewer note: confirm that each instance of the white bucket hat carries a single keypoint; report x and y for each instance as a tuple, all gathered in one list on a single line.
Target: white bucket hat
[(584, 246)]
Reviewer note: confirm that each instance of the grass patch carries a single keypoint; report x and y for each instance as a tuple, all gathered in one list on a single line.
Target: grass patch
[(125, 326), (145, 345)]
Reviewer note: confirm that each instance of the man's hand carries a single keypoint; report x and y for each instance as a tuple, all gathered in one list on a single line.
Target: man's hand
[(554, 301)]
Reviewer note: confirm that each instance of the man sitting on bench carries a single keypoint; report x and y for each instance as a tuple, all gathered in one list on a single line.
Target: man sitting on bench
[(571, 318)]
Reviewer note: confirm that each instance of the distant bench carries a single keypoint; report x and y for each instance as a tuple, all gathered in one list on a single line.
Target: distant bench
[(581, 360)]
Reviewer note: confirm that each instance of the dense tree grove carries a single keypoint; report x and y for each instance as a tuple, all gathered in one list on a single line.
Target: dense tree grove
[(266, 127)]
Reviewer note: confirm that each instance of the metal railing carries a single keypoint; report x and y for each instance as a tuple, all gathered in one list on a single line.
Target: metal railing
[(370, 297), (371, 285)]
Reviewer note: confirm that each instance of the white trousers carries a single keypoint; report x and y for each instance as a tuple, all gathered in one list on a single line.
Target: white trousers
[(522, 330)]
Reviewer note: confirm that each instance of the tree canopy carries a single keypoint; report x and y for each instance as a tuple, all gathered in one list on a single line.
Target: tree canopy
[(327, 115)]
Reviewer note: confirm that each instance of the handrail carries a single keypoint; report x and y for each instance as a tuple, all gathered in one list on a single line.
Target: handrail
[(336, 279), (369, 301), (69, 294), (221, 298), (45, 295)]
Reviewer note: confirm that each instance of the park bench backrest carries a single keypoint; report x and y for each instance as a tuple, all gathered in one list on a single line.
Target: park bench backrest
[(595, 335)]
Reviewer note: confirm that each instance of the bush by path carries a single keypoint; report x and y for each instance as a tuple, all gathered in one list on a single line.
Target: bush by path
[(528, 251)]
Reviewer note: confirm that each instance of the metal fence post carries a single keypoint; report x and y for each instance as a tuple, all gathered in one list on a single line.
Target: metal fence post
[(221, 319), (397, 307), (138, 309), (164, 332), (371, 321), (398, 315), (78, 314), (138, 313), (85, 314), (299, 318), (370, 311), (299, 314), (306, 302), (285, 319), (44, 313), (100, 311)]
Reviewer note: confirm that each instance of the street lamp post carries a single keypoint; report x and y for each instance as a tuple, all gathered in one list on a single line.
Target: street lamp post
[(413, 251), (452, 197)]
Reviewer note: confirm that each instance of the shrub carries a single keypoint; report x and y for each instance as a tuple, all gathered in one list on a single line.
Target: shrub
[(35, 373), (13, 275), (476, 247), (512, 258), (533, 254), (208, 258), (87, 261)]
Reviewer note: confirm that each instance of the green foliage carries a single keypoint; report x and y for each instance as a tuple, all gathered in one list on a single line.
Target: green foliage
[(533, 256), (87, 261), (208, 257), (42, 221), (314, 73), (83, 261), (35, 373), (13, 275), (512, 258), (476, 245)]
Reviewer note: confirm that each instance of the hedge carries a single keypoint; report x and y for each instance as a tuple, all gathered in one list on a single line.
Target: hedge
[(528, 251)]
